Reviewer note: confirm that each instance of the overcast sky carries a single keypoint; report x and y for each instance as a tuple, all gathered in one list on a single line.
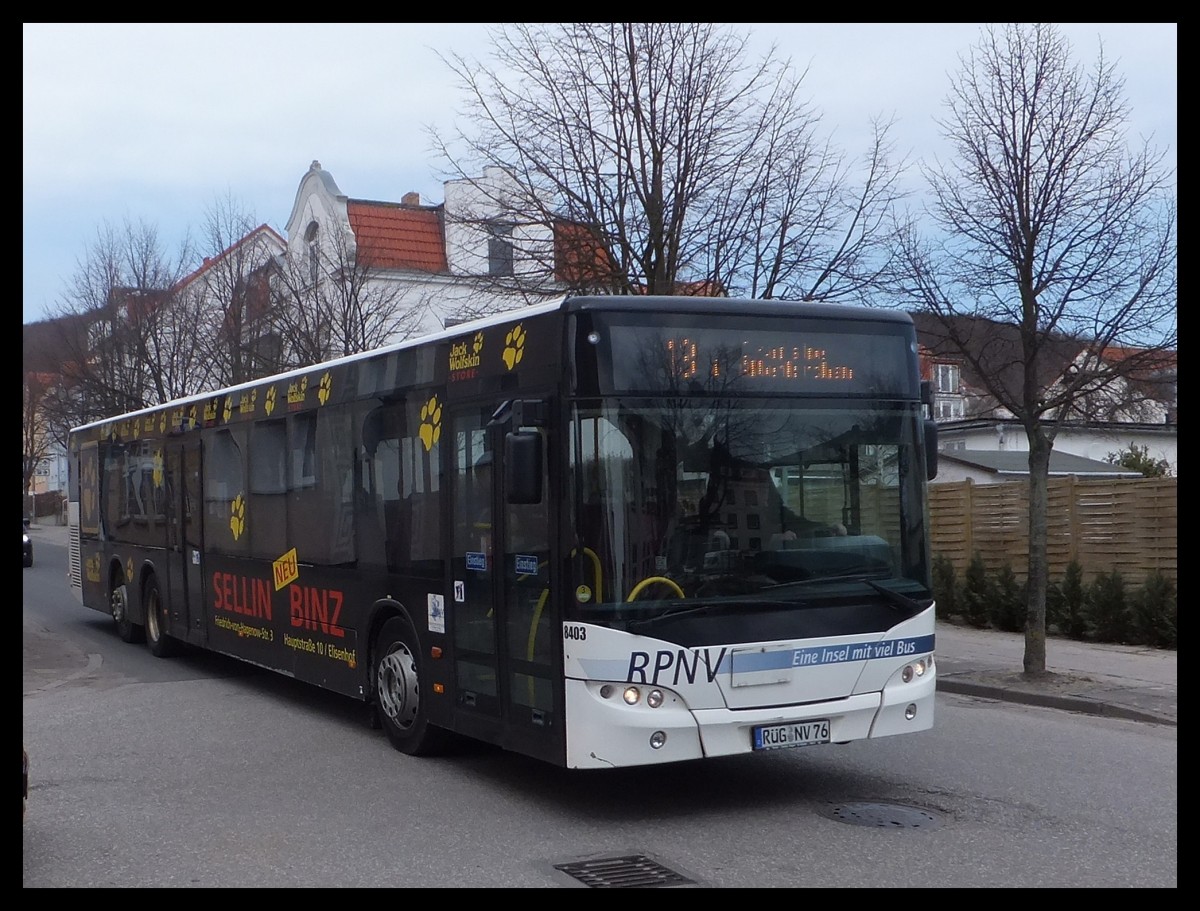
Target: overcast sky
[(157, 122)]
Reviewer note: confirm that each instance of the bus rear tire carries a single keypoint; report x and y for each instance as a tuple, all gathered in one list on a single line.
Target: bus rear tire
[(157, 620), (398, 688), (118, 603)]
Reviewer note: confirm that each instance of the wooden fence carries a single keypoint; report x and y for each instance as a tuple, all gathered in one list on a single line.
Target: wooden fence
[(1128, 525)]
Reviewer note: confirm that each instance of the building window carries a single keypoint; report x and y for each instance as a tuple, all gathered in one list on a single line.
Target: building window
[(945, 378), (948, 409), (311, 234), (500, 249)]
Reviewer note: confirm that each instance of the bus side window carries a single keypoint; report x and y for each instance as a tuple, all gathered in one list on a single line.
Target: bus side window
[(224, 489), (266, 511)]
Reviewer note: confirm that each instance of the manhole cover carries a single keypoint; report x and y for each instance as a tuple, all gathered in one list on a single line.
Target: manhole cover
[(883, 816), (624, 871)]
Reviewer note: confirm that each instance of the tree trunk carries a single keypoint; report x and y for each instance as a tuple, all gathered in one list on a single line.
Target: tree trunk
[(1035, 619)]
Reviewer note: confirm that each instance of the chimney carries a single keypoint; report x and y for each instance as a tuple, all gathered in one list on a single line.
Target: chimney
[(411, 199)]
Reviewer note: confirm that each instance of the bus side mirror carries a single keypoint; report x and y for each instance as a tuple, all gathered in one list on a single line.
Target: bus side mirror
[(931, 450), (523, 466)]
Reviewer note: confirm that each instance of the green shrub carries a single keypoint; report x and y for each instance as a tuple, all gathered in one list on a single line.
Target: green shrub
[(945, 587), (976, 592), (1064, 603), (1104, 611), (1154, 615), (1107, 608), (1007, 607)]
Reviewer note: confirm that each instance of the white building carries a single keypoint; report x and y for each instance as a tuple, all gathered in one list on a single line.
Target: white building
[(464, 257)]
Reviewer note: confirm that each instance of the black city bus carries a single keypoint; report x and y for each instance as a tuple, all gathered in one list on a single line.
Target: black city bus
[(603, 531)]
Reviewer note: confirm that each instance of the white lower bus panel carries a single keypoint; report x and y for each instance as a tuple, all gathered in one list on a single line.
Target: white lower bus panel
[(838, 689)]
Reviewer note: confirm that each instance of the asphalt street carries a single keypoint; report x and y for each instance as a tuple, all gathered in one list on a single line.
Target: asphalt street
[(1118, 681)]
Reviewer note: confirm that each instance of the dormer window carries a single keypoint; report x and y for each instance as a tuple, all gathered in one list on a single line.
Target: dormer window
[(945, 378)]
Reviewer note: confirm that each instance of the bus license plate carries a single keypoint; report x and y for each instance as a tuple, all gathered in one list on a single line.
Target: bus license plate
[(796, 734)]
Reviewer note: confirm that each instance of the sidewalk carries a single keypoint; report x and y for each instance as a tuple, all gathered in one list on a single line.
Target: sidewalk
[(1117, 681)]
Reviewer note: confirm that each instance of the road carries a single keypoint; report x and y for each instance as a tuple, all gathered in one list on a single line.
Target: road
[(203, 772)]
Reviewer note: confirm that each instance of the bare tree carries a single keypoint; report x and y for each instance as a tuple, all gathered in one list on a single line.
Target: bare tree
[(36, 438), (334, 299), (239, 325), (107, 333), (1054, 231), (670, 165)]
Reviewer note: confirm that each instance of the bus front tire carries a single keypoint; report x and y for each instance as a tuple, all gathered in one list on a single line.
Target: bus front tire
[(157, 620), (118, 603), (398, 692)]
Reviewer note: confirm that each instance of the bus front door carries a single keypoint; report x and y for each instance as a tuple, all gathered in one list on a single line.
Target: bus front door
[(184, 538), (501, 606), (472, 610)]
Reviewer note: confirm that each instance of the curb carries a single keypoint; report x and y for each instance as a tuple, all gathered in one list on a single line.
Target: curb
[(1052, 700)]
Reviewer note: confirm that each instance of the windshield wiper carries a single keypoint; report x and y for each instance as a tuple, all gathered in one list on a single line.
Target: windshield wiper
[(896, 599), (741, 603), (847, 575)]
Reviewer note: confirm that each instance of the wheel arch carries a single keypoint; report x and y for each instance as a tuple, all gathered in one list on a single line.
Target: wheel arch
[(133, 590), (382, 611)]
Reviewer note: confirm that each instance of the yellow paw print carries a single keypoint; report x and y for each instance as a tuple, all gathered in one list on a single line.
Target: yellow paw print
[(514, 346), (431, 423), (162, 423), (269, 405), (326, 388), (129, 570), (228, 412), (237, 517), (477, 346), (158, 468), (87, 505)]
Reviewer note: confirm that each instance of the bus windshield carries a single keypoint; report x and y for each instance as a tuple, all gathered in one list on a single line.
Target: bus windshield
[(774, 505)]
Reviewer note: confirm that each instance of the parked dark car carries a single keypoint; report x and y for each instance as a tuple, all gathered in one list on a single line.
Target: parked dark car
[(27, 543)]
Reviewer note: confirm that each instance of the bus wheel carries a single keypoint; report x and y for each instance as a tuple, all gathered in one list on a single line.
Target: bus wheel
[(118, 603), (161, 644), (398, 692)]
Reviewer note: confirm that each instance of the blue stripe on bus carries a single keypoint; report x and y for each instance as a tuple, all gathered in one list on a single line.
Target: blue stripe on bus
[(773, 659), (645, 666)]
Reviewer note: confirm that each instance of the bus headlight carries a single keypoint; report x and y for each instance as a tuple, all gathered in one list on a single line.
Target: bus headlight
[(654, 698), (631, 695), (916, 669)]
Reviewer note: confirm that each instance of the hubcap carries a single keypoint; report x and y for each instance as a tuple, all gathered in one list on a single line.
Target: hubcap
[(398, 693), (118, 603)]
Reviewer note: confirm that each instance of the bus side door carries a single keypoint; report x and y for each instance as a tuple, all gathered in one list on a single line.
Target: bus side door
[(531, 647), (501, 611), (471, 609), (185, 540)]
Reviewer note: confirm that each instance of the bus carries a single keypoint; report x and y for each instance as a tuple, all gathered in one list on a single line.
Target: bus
[(602, 531)]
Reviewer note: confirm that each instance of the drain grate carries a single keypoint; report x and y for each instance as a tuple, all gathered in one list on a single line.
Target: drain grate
[(884, 816), (626, 871)]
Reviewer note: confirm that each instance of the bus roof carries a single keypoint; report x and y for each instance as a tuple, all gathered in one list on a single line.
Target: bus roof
[(631, 303)]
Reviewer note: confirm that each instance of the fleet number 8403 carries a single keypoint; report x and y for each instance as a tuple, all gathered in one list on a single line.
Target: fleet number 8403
[(575, 632)]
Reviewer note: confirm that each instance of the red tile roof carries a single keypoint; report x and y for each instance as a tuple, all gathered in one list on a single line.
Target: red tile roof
[(398, 236), (211, 261)]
